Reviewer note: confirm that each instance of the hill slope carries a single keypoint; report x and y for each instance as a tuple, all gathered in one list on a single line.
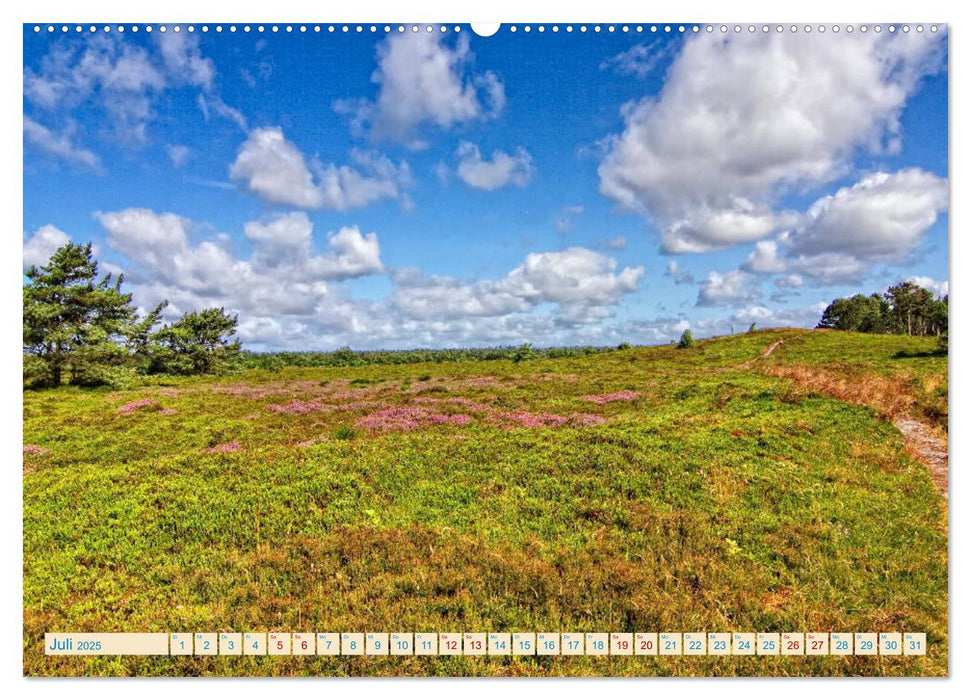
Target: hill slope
[(650, 489)]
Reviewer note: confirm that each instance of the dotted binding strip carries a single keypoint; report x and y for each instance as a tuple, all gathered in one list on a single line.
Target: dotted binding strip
[(569, 28)]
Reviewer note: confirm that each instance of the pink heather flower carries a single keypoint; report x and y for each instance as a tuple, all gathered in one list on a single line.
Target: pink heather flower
[(480, 382), (468, 403), (225, 448), (445, 419), (247, 391), (135, 405), (586, 419), (168, 412), (358, 406), (617, 396), (299, 407), (545, 420), (409, 418), (35, 450), (532, 420), (354, 394)]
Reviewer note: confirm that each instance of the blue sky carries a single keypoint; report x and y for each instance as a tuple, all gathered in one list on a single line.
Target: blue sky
[(444, 189)]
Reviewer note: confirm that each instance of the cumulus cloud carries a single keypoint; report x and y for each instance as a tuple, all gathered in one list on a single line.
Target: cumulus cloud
[(581, 282), (283, 276), (39, 247), (726, 289), (879, 219), (938, 287), (744, 118), (68, 74), (764, 259), (490, 174), (423, 81), (274, 169), (184, 60), (290, 296), (789, 281), (285, 242), (120, 79), (60, 145)]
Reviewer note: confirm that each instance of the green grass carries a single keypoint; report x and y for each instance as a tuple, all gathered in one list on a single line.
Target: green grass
[(721, 498)]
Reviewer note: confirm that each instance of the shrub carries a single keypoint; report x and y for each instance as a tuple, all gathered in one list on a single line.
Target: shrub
[(523, 352), (687, 340), (345, 433)]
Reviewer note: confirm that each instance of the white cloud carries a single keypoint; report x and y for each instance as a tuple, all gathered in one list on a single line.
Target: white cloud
[(639, 60), (184, 60), (39, 247), (743, 118), (764, 259), (881, 218), (503, 169), (276, 171), (121, 81), (68, 75), (178, 154), (938, 287), (283, 276), (789, 281), (574, 276), (59, 145), (215, 105), (735, 287), (582, 284), (423, 81), (120, 76), (288, 296), (679, 275)]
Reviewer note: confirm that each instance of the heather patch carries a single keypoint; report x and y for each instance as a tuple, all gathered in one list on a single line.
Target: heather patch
[(35, 450), (225, 448), (138, 405), (547, 420), (601, 399), (298, 407), (409, 418)]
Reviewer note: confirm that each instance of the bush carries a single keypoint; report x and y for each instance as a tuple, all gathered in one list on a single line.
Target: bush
[(109, 376), (523, 352), (345, 433), (37, 372), (687, 340)]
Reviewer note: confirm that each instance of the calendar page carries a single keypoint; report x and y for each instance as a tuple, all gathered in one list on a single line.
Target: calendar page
[(520, 349)]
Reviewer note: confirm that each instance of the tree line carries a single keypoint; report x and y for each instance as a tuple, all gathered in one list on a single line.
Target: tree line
[(904, 309), (82, 329)]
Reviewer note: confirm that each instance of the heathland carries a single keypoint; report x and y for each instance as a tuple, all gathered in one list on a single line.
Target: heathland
[(709, 488)]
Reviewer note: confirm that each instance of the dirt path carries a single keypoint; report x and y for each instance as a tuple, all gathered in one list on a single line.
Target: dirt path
[(887, 395), (927, 448)]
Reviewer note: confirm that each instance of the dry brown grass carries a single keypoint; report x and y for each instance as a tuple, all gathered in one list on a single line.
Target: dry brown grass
[(892, 396)]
